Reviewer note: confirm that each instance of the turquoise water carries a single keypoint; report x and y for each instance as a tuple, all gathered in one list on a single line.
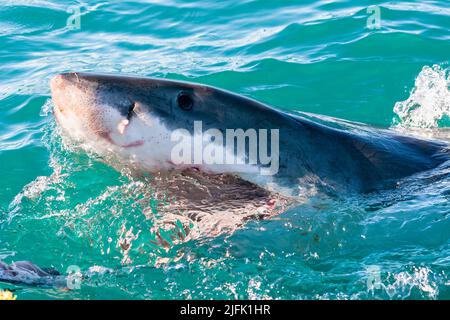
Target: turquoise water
[(60, 208)]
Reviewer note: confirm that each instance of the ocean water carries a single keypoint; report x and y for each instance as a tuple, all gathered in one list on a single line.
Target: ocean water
[(384, 63)]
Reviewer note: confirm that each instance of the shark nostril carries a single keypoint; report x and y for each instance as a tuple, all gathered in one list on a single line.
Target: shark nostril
[(131, 112), (76, 76)]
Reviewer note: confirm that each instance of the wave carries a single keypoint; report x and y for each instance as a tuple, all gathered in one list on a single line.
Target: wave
[(429, 102), (427, 108)]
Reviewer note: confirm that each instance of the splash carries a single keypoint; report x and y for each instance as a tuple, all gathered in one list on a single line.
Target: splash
[(416, 282), (428, 105)]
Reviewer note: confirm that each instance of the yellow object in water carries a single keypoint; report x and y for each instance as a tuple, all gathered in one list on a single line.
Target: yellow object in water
[(7, 295)]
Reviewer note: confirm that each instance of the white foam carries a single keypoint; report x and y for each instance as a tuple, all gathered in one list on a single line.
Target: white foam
[(429, 100)]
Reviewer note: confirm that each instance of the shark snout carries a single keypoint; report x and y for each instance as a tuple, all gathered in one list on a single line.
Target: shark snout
[(60, 81), (66, 91)]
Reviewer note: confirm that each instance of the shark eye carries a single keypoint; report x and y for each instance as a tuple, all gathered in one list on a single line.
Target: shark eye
[(185, 101)]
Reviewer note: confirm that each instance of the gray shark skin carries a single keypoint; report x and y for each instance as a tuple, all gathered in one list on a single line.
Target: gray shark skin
[(337, 158), (27, 273)]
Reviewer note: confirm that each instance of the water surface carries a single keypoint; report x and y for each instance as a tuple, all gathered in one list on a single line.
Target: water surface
[(61, 208)]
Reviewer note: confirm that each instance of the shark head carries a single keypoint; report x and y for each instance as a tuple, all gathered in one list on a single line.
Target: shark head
[(156, 122)]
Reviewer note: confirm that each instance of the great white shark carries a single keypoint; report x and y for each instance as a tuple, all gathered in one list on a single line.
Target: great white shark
[(131, 122), (133, 118)]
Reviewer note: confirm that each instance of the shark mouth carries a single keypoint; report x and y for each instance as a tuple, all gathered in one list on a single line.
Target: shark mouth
[(107, 136), (208, 205)]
